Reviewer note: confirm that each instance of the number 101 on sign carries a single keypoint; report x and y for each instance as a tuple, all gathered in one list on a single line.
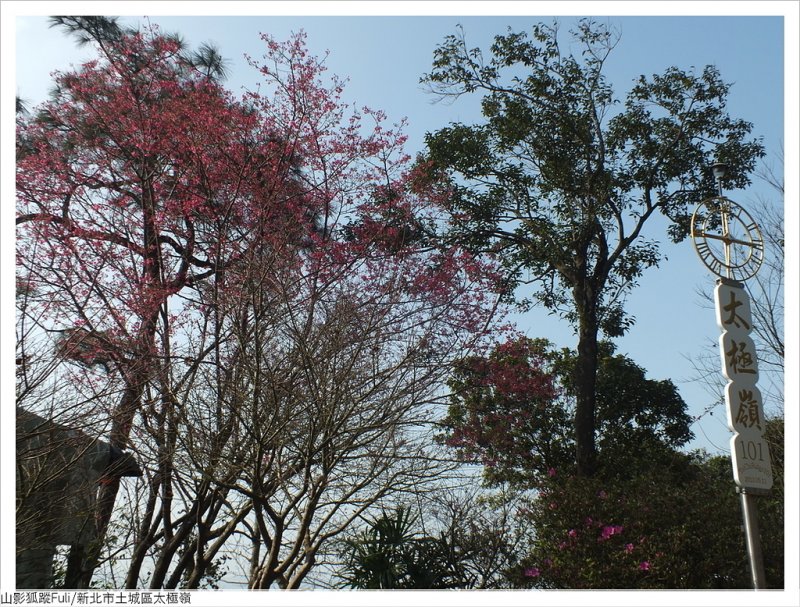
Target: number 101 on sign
[(752, 468)]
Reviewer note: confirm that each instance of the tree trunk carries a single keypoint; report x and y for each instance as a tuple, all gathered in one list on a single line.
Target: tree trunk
[(586, 384), (107, 494), (135, 377)]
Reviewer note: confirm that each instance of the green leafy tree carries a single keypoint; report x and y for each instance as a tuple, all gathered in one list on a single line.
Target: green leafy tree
[(561, 178), (511, 411)]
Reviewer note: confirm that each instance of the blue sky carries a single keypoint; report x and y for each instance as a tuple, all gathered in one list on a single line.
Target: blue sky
[(386, 50)]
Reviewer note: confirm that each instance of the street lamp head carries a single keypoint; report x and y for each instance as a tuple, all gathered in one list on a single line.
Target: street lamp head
[(719, 169)]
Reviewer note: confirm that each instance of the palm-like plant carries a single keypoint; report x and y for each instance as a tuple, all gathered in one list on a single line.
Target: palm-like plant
[(389, 554)]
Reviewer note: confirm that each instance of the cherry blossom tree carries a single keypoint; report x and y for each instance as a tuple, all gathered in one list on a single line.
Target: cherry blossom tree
[(510, 411), (253, 283)]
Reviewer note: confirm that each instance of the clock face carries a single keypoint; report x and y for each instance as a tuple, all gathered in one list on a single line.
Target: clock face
[(727, 239)]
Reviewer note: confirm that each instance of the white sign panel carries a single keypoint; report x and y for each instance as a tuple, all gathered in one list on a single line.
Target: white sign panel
[(733, 310), (752, 467), (739, 361), (745, 408)]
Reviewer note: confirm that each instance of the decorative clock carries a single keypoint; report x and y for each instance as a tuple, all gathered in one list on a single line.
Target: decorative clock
[(727, 239)]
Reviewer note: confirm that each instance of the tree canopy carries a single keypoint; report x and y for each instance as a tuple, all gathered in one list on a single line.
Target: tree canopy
[(562, 176), (242, 296), (511, 410)]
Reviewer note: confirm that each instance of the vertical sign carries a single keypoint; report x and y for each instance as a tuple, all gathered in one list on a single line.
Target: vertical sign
[(752, 468)]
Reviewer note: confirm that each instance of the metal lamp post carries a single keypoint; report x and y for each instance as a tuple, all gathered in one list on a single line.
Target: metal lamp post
[(730, 244)]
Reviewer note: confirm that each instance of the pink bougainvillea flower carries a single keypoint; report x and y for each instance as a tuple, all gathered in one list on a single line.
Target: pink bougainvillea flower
[(532, 572), (608, 531), (644, 566), (628, 548), (551, 472), (572, 533)]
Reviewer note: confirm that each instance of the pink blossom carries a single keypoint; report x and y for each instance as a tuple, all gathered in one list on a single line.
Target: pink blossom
[(608, 531), (532, 572), (644, 566), (572, 533), (551, 472), (628, 548)]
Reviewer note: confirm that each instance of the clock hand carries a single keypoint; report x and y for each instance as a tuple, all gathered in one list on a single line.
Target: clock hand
[(726, 237), (729, 240)]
